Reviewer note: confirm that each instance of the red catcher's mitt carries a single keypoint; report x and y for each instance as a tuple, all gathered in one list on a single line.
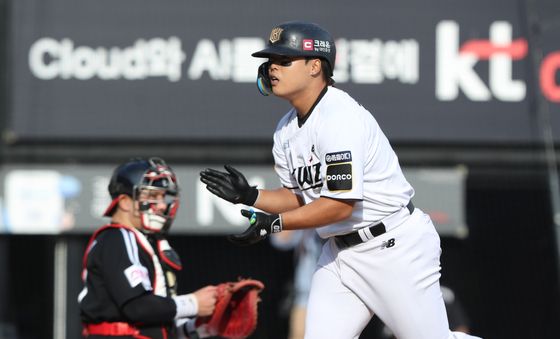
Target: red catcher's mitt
[(235, 315)]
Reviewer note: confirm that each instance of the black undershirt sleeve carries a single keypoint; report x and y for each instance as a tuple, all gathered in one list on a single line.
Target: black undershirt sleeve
[(149, 308)]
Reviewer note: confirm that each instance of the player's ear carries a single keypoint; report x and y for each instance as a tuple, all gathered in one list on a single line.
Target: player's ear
[(315, 67), (125, 203)]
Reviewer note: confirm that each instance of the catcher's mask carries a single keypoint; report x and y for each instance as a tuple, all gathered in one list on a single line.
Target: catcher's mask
[(153, 186), (295, 39)]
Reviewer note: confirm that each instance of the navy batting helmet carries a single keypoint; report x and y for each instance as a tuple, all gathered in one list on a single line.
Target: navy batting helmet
[(300, 39)]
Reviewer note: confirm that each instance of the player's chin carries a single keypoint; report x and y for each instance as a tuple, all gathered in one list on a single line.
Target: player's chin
[(279, 91)]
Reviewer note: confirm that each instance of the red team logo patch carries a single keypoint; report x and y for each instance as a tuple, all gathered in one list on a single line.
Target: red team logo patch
[(307, 44)]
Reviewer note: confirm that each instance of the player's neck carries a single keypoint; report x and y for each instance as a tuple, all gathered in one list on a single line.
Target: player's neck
[(123, 218), (307, 98)]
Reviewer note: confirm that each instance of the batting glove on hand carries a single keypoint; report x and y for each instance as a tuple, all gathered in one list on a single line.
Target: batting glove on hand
[(231, 186), (261, 225)]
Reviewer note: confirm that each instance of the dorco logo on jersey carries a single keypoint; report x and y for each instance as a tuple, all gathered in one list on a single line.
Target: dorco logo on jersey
[(338, 177)]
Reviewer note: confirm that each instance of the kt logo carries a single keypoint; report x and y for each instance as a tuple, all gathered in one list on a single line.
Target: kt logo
[(455, 64)]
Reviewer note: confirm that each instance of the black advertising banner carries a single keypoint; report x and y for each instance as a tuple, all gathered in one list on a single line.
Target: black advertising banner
[(72, 199), (430, 71)]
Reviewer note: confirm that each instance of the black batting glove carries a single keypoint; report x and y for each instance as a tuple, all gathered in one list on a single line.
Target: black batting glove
[(261, 226), (231, 185)]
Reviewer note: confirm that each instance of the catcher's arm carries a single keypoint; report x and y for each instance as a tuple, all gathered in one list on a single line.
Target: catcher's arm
[(201, 303), (205, 299)]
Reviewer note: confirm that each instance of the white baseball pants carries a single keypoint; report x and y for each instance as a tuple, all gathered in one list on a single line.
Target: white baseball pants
[(395, 276)]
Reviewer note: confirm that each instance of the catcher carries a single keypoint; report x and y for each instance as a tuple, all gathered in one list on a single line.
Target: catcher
[(129, 275)]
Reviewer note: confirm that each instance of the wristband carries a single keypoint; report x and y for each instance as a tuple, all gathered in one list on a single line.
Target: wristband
[(276, 225), (187, 305)]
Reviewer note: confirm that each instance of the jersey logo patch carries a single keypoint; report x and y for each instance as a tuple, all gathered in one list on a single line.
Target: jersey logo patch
[(338, 157), (138, 274), (339, 177)]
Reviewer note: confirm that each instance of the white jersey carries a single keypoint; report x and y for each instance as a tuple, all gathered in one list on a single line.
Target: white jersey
[(340, 152)]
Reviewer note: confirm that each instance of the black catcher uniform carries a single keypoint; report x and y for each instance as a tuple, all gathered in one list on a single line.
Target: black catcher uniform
[(129, 272)]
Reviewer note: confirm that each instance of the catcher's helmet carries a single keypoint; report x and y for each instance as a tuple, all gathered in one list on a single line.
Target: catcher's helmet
[(140, 175), (300, 39)]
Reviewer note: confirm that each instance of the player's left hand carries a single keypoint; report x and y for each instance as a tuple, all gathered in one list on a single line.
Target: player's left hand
[(261, 226), (231, 185)]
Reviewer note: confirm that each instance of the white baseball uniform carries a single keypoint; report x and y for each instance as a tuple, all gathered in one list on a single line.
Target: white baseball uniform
[(340, 152)]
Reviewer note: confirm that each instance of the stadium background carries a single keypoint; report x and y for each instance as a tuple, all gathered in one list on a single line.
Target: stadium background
[(467, 93)]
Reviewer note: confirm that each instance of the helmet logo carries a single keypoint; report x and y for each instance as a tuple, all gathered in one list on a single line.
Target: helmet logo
[(275, 34), (308, 44)]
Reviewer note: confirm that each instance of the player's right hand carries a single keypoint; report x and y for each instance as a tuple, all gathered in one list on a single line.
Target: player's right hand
[(206, 298), (261, 226), (231, 185)]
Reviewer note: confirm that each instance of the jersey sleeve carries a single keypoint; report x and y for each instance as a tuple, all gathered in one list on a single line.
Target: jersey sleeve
[(342, 139), (123, 268)]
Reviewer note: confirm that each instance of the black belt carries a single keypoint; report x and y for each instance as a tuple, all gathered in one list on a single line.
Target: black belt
[(351, 239)]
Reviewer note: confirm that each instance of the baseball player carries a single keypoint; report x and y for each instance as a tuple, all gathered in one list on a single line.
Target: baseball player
[(130, 290), (340, 175)]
